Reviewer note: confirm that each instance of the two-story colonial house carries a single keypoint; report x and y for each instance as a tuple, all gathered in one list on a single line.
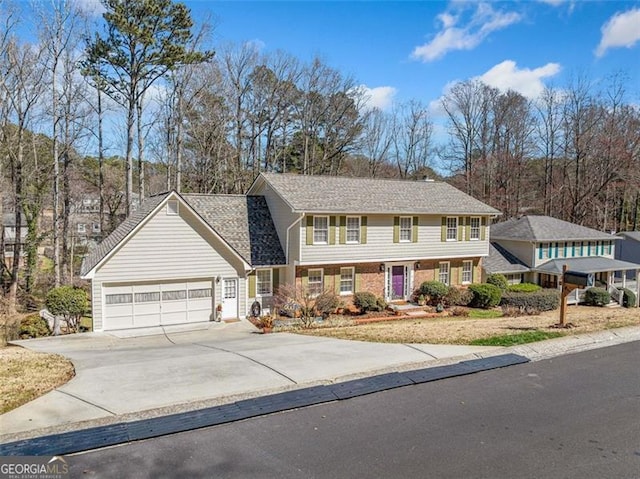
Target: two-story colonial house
[(179, 257), (535, 249)]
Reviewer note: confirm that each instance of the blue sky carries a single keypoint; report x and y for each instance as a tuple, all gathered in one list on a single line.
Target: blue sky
[(412, 50)]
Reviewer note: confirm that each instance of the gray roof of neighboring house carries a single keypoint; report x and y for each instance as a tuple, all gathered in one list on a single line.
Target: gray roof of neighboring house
[(634, 235), (591, 264), (120, 233), (501, 261), (544, 228), (244, 222), (337, 194)]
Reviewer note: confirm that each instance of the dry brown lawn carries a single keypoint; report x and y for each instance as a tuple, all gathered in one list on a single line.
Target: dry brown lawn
[(25, 375), (462, 330)]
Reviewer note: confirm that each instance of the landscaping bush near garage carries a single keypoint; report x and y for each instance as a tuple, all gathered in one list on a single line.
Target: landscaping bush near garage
[(531, 303), (458, 297), (33, 326), (628, 298), (524, 288), (597, 297), (485, 295), (434, 291), (499, 280)]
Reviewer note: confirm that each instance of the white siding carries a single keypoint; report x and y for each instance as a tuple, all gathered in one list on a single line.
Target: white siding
[(167, 247), (380, 245)]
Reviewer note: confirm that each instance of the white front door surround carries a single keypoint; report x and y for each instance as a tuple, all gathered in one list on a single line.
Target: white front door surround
[(398, 281)]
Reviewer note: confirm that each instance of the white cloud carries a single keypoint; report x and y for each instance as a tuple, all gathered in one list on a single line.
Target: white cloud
[(379, 97), (454, 35), (507, 76), (622, 30)]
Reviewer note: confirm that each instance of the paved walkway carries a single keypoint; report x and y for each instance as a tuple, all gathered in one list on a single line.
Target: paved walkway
[(120, 380)]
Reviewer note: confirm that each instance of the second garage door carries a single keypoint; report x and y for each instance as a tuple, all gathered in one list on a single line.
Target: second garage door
[(145, 305)]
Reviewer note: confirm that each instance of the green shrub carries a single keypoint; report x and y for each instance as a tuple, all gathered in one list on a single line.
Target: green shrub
[(381, 303), (524, 288), (458, 297), (33, 326), (434, 290), (485, 295), (628, 298), (499, 280), (367, 301), (531, 303), (70, 303), (597, 297)]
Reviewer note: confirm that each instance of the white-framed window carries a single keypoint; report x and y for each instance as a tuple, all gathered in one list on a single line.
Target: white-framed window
[(148, 297), (467, 272), (95, 227), (452, 228), (544, 250), (347, 280), (443, 275), (230, 286), (474, 234), (406, 224), (172, 207), (199, 293), (315, 281), (515, 278), (119, 298), (320, 230), (264, 282), (560, 249), (82, 228), (174, 295), (353, 229)]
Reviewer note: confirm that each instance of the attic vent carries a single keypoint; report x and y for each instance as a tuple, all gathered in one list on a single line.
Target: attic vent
[(172, 207)]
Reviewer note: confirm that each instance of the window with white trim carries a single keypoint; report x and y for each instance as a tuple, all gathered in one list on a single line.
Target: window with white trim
[(474, 233), (315, 281), (230, 286), (96, 227), (347, 279), (467, 272), (560, 249), (82, 228), (172, 207), (443, 275), (353, 229), (320, 229), (264, 282), (452, 228), (544, 250), (147, 297), (121, 298), (406, 224)]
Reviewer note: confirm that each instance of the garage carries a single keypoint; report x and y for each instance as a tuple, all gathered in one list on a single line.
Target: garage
[(157, 304)]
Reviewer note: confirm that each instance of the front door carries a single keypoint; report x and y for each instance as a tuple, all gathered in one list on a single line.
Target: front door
[(230, 298), (397, 282)]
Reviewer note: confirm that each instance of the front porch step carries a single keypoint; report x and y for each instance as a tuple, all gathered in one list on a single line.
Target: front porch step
[(612, 304)]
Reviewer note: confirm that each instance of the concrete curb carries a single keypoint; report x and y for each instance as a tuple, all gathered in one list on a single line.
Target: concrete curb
[(110, 435)]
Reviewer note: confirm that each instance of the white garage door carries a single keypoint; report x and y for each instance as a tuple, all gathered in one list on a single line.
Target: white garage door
[(144, 305)]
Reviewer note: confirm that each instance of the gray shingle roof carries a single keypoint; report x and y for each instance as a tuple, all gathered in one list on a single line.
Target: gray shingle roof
[(501, 261), (244, 222), (544, 228), (591, 264), (120, 233), (634, 235), (335, 194)]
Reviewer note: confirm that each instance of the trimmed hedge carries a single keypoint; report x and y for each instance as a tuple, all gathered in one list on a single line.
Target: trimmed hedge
[(458, 297), (367, 301), (69, 302), (499, 280), (541, 300), (628, 298), (524, 288), (597, 297), (485, 295), (434, 290)]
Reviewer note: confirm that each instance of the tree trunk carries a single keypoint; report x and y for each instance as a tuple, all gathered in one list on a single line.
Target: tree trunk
[(140, 138), (129, 156)]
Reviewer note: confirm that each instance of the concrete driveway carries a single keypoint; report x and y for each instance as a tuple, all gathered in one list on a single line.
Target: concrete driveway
[(118, 376)]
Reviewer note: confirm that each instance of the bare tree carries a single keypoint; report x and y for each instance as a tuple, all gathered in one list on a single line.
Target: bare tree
[(411, 138)]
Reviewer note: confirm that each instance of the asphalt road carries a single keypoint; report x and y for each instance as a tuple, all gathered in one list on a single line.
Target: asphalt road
[(575, 416)]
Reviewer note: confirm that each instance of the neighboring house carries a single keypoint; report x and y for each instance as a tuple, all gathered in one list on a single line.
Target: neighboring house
[(8, 235), (179, 256), (535, 248), (628, 248)]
